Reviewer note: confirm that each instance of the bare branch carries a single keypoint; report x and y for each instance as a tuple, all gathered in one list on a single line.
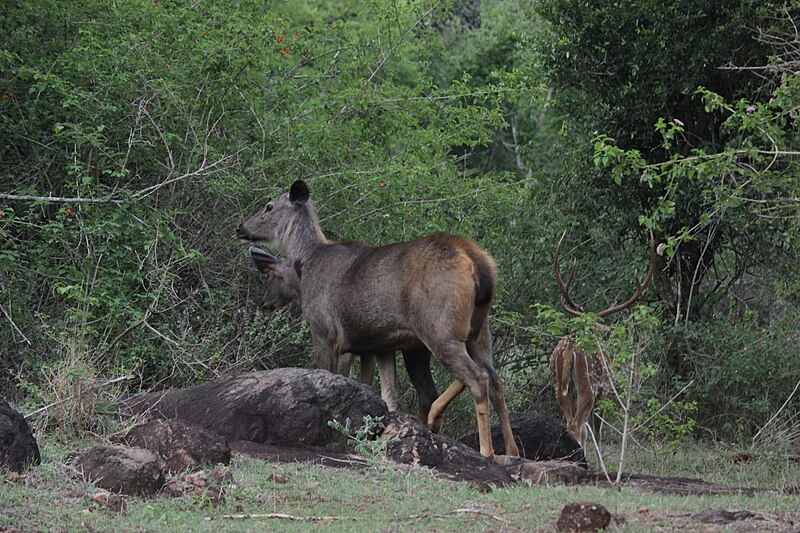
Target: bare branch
[(60, 199), (14, 326), (399, 41)]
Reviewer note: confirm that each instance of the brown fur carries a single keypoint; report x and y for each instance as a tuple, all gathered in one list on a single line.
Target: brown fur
[(580, 382), (434, 292), (283, 287)]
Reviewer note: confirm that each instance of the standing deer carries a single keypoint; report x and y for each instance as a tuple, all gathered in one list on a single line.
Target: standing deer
[(434, 292), (581, 378), (283, 287)]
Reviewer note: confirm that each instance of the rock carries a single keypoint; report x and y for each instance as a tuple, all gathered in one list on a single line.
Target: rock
[(546, 472), (285, 406), (584, 516), (18, 448), (122, 469), (538, 438), (411, 442), (180, 444)]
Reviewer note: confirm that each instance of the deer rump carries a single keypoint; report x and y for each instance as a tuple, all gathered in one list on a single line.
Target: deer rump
[(372, 299)]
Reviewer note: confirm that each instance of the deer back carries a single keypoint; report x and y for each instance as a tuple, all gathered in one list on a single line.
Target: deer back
[(380, 298)]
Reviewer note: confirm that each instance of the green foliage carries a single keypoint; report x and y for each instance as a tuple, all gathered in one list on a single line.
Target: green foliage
[(743, 371), (364, 439), (264, 495), (136, 136)]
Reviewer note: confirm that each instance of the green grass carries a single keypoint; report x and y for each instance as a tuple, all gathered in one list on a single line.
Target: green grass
[(53, 497)]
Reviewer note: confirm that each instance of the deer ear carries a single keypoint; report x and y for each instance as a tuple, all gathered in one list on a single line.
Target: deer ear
[(298, 267), (265, 262), (299, 193)]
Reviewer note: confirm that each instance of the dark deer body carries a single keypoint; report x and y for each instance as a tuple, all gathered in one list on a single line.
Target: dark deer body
[(580, 378), (283, 287), (434, 292)]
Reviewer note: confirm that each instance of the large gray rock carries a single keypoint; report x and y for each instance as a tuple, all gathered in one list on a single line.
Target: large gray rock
[(180, 444), (283, 407), (18, 448), (122, 469)]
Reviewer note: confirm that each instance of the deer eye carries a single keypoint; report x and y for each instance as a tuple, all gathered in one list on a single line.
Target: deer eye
[(269, 207)]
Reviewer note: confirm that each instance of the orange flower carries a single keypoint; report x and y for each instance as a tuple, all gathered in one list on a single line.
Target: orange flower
[(2, 214), (155, 4), (278, 38), (283, 52), (297, 35), (69, 211), (382, 185), (6, 96)]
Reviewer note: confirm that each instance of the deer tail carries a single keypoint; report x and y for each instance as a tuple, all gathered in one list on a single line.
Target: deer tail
[(485, 277)]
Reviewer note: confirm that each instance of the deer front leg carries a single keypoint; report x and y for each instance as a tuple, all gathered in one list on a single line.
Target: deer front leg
[(387, 372), (585, 382), (561, 372), (326, 354)]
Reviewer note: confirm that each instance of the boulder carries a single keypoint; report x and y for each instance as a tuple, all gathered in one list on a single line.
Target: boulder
[(181, 445), (539, 438), (122, 469), (411, 442), (18, 448), (583, 516), (283, 407)]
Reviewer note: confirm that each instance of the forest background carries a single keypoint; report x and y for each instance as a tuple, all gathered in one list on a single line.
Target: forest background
[(136, 135)]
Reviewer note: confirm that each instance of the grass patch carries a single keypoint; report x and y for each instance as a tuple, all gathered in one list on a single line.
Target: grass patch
[(387, 497)]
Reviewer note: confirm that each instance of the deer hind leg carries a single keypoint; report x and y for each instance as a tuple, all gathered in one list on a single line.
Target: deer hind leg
[(439, 406), (480, 350), (454, 357), (418, 366)]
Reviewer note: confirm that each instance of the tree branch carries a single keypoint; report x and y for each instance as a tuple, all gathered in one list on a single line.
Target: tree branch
[(14, 326)]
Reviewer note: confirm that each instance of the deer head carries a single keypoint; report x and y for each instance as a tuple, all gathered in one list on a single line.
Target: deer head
[(283, 279)]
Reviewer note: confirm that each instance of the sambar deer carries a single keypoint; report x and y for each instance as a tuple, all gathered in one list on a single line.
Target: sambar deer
[(283, 287), (580, 377), (434, 292)]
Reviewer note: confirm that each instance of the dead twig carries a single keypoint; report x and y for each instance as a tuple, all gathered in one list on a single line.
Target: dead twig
[(278, 516), (456, 512)]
